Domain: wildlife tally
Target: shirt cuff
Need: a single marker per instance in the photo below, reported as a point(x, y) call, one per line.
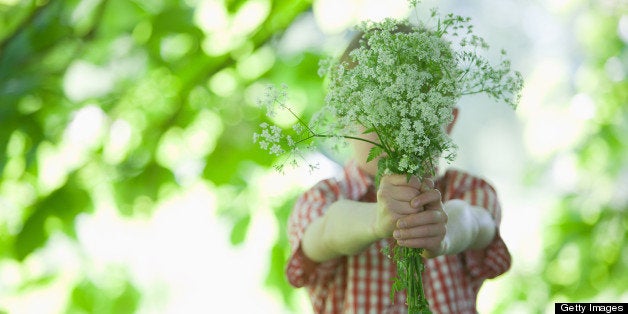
point(489, 262)
point(302, 271)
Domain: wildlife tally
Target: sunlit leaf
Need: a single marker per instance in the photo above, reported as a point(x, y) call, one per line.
point(62, 206)
point(88, 297)
point(151, 89)
point(127, 301)
point(84, 297)
point(147, 182)
point(239, 230)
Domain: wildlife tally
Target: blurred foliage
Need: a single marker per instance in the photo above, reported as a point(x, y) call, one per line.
point(111, 101)
point(591, 227)
point(87, 297)
point(585, 251)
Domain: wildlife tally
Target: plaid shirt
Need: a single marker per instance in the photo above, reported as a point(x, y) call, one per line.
point(361, 283)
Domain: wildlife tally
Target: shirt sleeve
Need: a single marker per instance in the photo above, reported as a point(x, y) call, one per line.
point(300, 270)
point(494, 259)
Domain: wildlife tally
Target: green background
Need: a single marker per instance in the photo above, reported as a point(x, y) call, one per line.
point(127, 104)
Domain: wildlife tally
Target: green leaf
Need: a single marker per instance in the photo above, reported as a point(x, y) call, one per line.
point(84, 297)
point(32, 235)
point(375, 152)
point(276, 277)
point(239, 230)
point(127, 301)
point(90, 297)
point(369, 130)
point(143, 182)
point(57, 211)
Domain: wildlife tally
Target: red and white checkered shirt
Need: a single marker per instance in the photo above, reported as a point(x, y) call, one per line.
point(361, 283)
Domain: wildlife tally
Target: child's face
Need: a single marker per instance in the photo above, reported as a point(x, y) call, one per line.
point(361, 149)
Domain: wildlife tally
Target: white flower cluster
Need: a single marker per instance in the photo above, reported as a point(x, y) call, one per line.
point(277, 141)
point(273, 97)
point(401, 83)
point(270, 139)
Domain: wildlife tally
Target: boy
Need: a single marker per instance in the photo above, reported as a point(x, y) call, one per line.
point(339, 227)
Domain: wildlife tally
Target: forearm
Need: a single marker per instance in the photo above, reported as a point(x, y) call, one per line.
point(468, 227)
point(346, 228)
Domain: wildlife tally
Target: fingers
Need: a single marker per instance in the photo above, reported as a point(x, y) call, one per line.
point(433, 245)
point(417, 206)
point(426, 229)
point(422, 218)
point(406, 197)
point(395, 194)
point(399, 180)
point(426, 185)
point(398, 186)
point(429, 199)
point(399, 193)
point(437, 249)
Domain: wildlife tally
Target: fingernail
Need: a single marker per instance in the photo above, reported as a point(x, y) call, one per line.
point(401, 224)
point(396, 234)
point(430, 183)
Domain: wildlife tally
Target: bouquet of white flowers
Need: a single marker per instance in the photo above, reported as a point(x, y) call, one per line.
point(401, 83)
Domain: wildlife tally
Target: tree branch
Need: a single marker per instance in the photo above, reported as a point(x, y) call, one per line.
point(38, 11)
point(280, 17)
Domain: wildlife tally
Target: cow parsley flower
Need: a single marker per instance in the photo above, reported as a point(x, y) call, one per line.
point(401, 83)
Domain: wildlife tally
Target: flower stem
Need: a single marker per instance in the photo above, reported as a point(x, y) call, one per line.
point(409, 268)
point(314, 135)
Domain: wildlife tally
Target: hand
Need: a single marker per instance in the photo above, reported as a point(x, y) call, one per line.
point(393, 202)
point(425, 225)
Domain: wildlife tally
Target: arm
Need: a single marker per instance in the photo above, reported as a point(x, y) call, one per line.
point(469, 227)
point(412, 212)
point(340, 231)
point(348, 227)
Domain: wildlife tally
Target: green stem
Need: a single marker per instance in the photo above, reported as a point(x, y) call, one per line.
point(409, 275)
point(343, 136)
point(382, 139)
point(410, 263)
point(298, 118)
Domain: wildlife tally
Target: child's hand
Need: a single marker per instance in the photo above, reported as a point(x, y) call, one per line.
point(393, 202)
point(424, 226)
